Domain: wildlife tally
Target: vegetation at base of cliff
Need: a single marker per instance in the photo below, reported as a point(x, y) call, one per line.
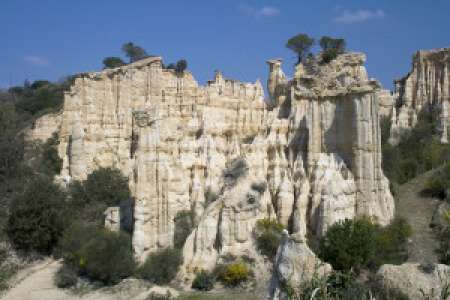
point(302, 43)
point(36, 220)
point(97, 253)
point(268, 236)
point(233, 274)
point(103, 188)
point(203, 281)
point(362, 244)
point(418, 151)
point(161, 267)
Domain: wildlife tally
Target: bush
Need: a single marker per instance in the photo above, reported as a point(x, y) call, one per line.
point(103, 188)
point(234, 274)
point(438, 184)
point(51, 161)
point(98, 253)
point(356, 244)
point(161, 267)
point(36, 220)
point(268, 236)
point(203, 281)
point(65, 277)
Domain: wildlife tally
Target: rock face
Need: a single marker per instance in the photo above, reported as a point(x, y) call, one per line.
point(416, 281)
point(427, 85)
point(295, 263)
point(315, 149)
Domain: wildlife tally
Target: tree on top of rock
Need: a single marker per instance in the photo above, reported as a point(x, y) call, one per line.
point(112, 62)
point(134, 52)
point(301, 44)
point(181, 66)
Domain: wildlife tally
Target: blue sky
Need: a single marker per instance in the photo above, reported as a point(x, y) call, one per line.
point(48, 39)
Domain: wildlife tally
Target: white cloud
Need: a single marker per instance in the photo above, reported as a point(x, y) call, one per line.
point(36, 60)
point(361, 15)
point(256, 12)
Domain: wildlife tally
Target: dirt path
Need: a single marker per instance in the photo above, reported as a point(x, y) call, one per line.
point(36, 283)
point(418, 210)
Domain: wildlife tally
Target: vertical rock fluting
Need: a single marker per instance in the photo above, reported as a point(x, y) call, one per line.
point(425, 87)
point(311, 159)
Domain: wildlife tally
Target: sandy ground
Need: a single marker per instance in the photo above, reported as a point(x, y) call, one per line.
point(36, 283)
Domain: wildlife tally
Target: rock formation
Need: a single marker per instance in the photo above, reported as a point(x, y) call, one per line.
point(427, 86)
point(416, 281)
point(315, 149)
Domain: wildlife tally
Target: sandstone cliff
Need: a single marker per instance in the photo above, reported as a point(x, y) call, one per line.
point(315, 149)
point(427, 85)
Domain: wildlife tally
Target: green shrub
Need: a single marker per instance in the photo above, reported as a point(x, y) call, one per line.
point(349, 244)
point(107, 257)
point(234, 274)
point(268, 236)
point(444, 246)
point(103, 188)
point(36, 220)
point(97, 253)
point(356, 244)
point(50, 158)
point(183, 227)
point(65, 277)
point(161, 267)
point(203, 281)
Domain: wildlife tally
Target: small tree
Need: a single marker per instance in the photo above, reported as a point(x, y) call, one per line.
point(36, 220)
point(103, 188)
point(301, 44)
point(134, 52)
point(181, 66)
point(161, 267)
point(112, 62)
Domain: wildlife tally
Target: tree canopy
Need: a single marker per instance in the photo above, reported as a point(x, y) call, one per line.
point(301, 44)
point(112, 62)
point(133, 52)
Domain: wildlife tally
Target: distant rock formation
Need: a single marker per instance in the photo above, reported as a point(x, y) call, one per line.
point(426, 86)
point(309, 158)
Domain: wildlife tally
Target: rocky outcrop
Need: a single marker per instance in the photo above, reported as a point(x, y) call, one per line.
point(44, 127)
point(417, 281)
point(295, 263)
point(315, 149)
point(426, 86)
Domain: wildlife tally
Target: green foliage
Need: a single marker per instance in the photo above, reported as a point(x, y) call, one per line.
point(234, 274)
point(331, 48)
point(438, 184)
point(357, 244)
point(133, 52)
point(268, 236)
point(444, 246)
point(112, 62)
point(41, 95)
point(181, 66)
point(36, 219)
point(418, 151)
point(51, 161)
point(203, 281)
point(161, 267)
point(349, 244)
point(300, 44)
point(97, 253)
point(65, 277)
point(103, 188)
point(183, 227)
